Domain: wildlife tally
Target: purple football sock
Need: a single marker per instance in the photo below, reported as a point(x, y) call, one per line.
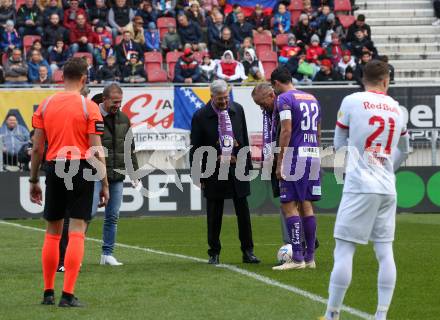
point(294, 229)
point(309, 225)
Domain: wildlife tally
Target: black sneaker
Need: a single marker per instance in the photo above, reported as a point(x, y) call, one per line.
point(70, 302)
point(61, 268)
point(48, 298)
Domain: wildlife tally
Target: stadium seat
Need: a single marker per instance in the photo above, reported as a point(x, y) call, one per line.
point(255, 32)
point(118, 40)
point(28, 42)
point(342, 5)
point(4, 58)
point(346, 20)
point(294, 17)
point(256, 142)
point(171, 59)
point(19, 3)
point(157, 75)
point(83, 54)
point(163, 23)
point(153, 60)
point(296, 5)
point(57, 76)
point(269, 59)
point(281, 40)
point(262, 42)
point(198, 56)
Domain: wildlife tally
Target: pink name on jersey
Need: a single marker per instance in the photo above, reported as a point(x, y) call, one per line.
point(380, 106)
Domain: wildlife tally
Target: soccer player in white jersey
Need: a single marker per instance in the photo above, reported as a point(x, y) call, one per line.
point(371, 126)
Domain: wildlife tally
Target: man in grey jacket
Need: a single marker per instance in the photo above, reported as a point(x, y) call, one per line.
point(16, 69)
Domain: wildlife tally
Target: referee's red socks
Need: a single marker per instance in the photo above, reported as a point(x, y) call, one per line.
point(72, 261)
point(50, 256)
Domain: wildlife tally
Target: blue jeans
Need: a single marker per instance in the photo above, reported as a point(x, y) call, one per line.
point(111, 214)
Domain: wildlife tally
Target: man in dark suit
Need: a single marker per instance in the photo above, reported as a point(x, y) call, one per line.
point(221, 126)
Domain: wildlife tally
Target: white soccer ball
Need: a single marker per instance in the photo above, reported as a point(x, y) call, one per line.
point(285, 253)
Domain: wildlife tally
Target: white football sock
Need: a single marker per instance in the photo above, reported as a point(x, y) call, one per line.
point(340, 278)
point(386, 279)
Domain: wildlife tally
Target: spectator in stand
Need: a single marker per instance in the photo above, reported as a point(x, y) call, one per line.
point(182, 6)
point(259, 20)
point(346, 61)
point(349, 74)
point(119, 16)
point(134, 71)
point(189, 32)
point(7, 12)
point(53, 7)
point(152, 38)
point(166, 8)
point(16, 70)
point(98, 14)
point(82, 37)
point(187, 68)
point(254, 75)
point(231, 18)
point(359, 71)
point(29, 19)
point(335, 50)
point(215, 29)
point(362, 44)
point(208, 5)
point(43, 76)
point(246, 44)
point(303, 31)
point(127, 47)
point(53, 32)
point(281, 23)
point(171, 40)
point(14, 137)
point(34, 64)
point(101, 33)
point(9, 39)
point(250, 61)
point(102, 53)
point(24, 155)
point(229, 69)
point(327, 73)
point(148, 13)
point(91, 71)
point(315, 52)
point(110, 72)
point(385, 59)
point(436, 4)
point(226, 43)
point(318, 4)
point(328, 28)
point(207, 69)
point(321, 18)
point(241, 29)
point(136, 27)
point(71, 14)
point(37, 45)
point(195, 14)
point(58, 56)
point(358, 24)
point(290, 50)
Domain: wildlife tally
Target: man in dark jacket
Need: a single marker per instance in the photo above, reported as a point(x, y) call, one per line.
point(215, 29)
point(358, 24)
point(362, 44)
point(53, 32)
point(242, 29)
point(187, 69)
point(225, 43)
point(227, 140)
point(126, 48)
point(189, 32)
point(327, 73)
point(29, 19)
point(116, 126)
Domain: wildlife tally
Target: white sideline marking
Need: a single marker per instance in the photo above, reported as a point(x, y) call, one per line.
point(250, 274)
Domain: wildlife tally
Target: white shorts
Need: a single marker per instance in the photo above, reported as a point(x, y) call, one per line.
point(366, 216)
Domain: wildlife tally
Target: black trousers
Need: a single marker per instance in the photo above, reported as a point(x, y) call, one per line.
point(437, 8)
point(214, 219)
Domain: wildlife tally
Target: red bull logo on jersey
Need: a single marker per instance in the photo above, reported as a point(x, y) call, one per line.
point(380, 106)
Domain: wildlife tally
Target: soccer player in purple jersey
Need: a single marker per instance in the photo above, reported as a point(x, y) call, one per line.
point(298, 165)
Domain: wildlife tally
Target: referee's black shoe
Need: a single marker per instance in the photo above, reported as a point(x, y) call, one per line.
point(249, 257)
point(48, 298)
point(69, 301)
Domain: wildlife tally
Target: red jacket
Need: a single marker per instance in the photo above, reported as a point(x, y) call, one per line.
point(71, 23)
point(288, 51)
point(312, 52)
point(228, 68)
point(100, 37)
point(76, 33)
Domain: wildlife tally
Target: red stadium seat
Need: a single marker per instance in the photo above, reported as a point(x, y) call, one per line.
point(19, 3)
point(157, 75)
point(57, 76)
point(163, 23)
point(269, 59)
point(83, 54)
point(294, 17)
point(171, 59)
point(28, 41)
point(4, 58)
point(296, 5)
point(118, 40)
point(262, 42)
point(342, 5)
point(256, 146)
point(153, 60)
point(345, 20)
point(254, 32)
point(281, 40)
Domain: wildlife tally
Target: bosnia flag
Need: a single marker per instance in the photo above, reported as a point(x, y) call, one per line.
point(186, 102)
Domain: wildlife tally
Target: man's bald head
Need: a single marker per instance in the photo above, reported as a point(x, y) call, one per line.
point(264, 96)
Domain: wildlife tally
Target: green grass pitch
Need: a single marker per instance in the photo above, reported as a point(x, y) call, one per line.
point(154, 286)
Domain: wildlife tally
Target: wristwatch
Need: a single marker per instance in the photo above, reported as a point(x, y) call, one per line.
point(36, 180)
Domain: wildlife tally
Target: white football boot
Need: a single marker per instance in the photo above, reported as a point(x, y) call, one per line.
point(110, 260)
point(289, 265)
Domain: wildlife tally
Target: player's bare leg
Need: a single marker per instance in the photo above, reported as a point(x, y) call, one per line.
point(308, 221)
point(294, 228)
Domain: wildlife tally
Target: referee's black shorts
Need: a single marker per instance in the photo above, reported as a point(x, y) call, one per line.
point(63, 203)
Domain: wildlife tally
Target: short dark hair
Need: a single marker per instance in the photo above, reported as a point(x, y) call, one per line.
point(361, 17)
point(281, 74)
point(375, 71)
point(111, 87)
point(75, 68)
